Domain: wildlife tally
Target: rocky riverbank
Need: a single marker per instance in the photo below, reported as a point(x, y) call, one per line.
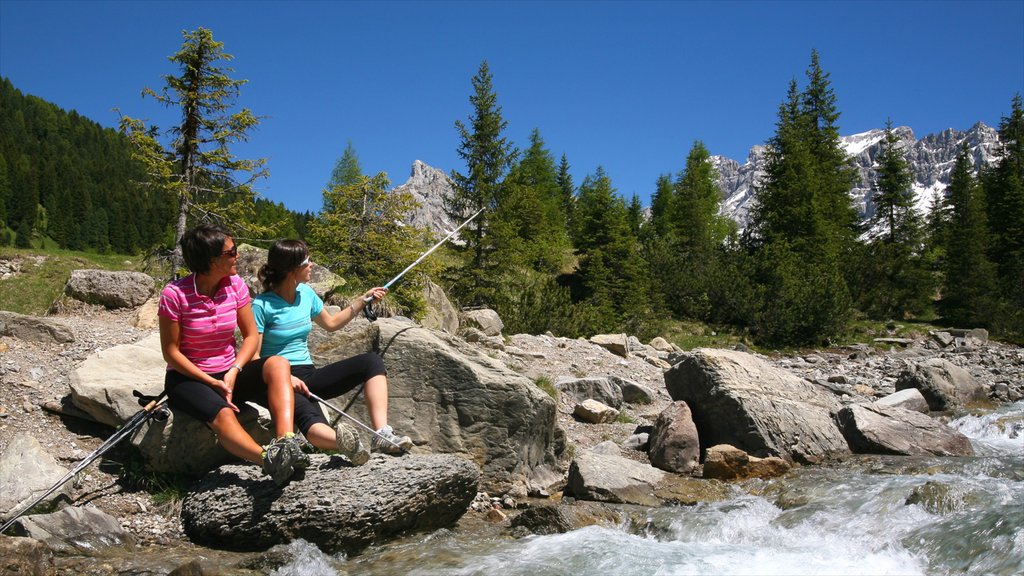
point(35, 380)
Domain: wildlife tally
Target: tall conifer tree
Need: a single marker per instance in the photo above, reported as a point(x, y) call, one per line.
point(968, 295)
point(200, 170)
point(488, 156)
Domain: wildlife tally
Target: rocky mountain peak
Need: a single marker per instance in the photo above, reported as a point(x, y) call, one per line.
point(429, 186)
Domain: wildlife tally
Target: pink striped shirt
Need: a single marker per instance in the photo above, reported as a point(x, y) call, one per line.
point(207, 324)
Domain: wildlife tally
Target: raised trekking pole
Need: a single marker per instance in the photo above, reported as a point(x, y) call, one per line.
point(153, 406)
point(356, 421)
point(368, 309)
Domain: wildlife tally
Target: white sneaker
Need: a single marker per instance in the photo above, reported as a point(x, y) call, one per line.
point(386, 441)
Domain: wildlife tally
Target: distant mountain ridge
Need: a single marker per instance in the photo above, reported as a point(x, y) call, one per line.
point(931, 160)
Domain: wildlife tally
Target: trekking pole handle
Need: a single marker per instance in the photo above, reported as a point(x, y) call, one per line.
point(368, 311)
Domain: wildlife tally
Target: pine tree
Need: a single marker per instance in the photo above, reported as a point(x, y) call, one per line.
point(696, 199)
point(488, 156)
point(1004, 193)
point(5, 191)
point(660, 202)
point(612, 270)
point(363, 237)
point(803, 224)
point(893, 196)
point(527, 226)
point(347, 171)
point(968, 296)
point(892, 280)
point(568, 189)
point(209, 182)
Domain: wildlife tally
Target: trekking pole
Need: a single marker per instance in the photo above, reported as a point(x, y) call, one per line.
point(133, 423)
point(357, 422)
point(368, 309)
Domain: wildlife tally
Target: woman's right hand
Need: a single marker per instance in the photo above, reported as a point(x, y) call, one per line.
point(226, 391)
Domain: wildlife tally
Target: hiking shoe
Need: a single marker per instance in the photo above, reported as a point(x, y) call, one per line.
point(300, 449)
point(397, 444)
point(349, 445)
point(283, 457)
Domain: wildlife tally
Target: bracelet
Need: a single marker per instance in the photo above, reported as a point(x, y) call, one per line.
point(236, 366)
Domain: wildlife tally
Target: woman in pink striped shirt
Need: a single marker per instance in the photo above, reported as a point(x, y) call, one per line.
point(206, 375)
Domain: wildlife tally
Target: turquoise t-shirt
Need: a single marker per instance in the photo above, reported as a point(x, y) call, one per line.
point(285, 326)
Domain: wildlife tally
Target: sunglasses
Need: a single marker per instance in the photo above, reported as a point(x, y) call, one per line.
point(231, 253)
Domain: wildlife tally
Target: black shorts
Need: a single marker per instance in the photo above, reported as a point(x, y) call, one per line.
point(331, 381)
point(200, 401)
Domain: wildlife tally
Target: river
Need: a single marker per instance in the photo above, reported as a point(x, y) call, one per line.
point(852, 518)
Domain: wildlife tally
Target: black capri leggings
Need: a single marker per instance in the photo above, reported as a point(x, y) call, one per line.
point(331, 381)
point(203, 403)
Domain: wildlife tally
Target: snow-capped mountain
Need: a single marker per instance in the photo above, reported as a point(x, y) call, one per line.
point(931, 161)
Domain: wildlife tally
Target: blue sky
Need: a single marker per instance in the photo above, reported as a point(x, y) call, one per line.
point(624, 85)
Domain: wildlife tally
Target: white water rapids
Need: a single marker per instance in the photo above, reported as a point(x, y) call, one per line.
point(852, 518)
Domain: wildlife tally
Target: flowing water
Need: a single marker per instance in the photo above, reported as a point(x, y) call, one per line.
point(870, 515)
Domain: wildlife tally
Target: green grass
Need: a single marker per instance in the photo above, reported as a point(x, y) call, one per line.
point(45, 272)
point(545, 384)
point(689, 335)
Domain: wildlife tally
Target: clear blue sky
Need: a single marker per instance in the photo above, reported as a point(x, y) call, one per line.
point(624, 85)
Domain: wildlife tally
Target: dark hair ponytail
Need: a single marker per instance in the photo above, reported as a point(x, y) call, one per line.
point(283, 257)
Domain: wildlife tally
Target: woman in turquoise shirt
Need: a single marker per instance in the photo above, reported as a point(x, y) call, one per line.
point(284, 315)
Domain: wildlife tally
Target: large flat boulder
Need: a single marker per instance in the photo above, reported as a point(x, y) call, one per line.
point(741, 400)
point(451, 398)
point(880, 429)
point(103, 384)
point(338, 507)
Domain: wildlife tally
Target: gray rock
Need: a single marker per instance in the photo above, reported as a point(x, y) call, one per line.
point(449, 397)
point(601, 389)
point(640, 441)
point(661, 345)
point(908, 399)
point(485, 320)
point(875, 429)
point(75, 529)
point(743, 401)
point(34, 328)
point(604, 478)
point(635, 393)
point(102, 385)
point(674, 445)
point(26, 472)
point(337, 507)
point(112, 289)
point(614, 343)
point(180, 444)
point(943, 384)
point(441, 314)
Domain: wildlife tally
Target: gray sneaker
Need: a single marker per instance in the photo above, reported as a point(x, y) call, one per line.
point(349, 444)
point(283, 457)
point(386, 441)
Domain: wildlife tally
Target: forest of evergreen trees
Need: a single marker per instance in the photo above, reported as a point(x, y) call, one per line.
point(66, 181)
point(552, 255)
